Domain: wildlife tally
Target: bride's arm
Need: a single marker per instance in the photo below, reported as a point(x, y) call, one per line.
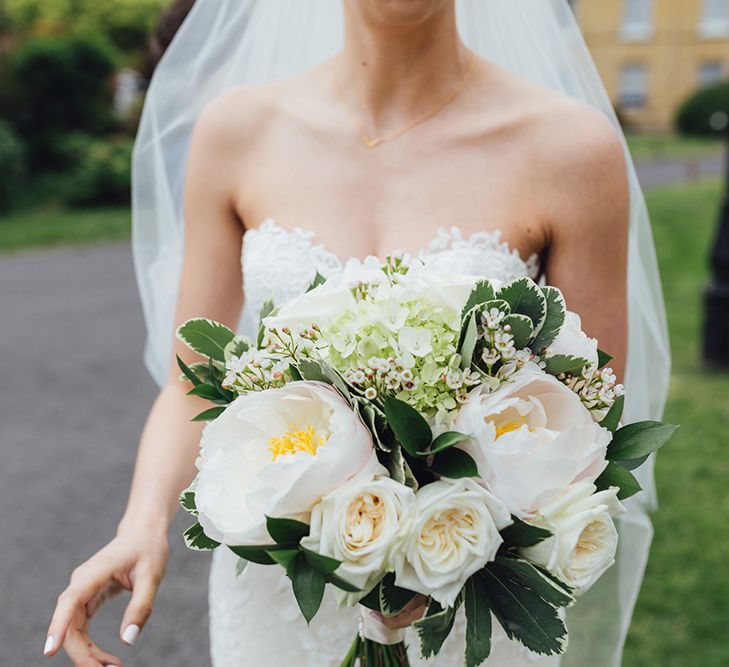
point(211, 286)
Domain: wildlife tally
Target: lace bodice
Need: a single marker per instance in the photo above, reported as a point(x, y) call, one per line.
point(254, 619)
point(279, 263)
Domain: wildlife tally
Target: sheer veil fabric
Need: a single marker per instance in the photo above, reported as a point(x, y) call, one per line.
point(224, 43)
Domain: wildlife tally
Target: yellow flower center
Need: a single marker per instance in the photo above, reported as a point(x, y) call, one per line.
point(508, 428)
point(295, 441)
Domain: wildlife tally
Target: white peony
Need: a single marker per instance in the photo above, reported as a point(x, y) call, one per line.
point(584, 538)
point(573, 341)
point(276, 453)
point(454, 534)
point(531, 439)
point(362, 523)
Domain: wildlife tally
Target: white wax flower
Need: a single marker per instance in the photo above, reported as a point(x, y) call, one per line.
point(454, 534)
point(276, 453)
point(573, 341)
point(531, 439)
point(584, 538)
point(361, 523)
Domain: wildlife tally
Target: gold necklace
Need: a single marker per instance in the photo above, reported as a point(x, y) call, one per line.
point(373, 142)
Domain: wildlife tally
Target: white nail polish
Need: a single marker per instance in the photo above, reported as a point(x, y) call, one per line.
point(130, 634)
point(50, 643)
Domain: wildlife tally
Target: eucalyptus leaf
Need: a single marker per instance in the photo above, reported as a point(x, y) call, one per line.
point(206, 337)
point(478, 622)
point(639, 439)
point(197, 540)
point(553, 321)
point(408, 425)
point(617, 475)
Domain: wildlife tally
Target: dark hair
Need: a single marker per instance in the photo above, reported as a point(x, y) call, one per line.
point(170, 21)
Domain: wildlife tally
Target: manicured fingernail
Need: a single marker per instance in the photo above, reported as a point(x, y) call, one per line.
point(50, 643)
point(130, 634)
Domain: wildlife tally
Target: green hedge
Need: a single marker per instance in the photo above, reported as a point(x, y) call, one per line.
point(706, 112)
point(12, 165)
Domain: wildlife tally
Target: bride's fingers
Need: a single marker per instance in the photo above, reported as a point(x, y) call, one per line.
point(140, 606)
point(84, 653)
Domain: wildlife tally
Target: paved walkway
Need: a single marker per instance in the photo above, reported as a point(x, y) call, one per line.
point(73, 397)
point(668, 171)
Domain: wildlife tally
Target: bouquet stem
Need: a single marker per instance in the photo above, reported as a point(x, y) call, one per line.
point(368, 653)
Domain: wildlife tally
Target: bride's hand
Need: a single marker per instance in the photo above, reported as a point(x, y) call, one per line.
point(410, 613)
point(132, 561)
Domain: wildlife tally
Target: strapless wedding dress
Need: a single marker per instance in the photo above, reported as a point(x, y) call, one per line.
point(254, 619)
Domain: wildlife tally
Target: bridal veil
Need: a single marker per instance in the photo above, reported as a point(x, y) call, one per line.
point(224, 43)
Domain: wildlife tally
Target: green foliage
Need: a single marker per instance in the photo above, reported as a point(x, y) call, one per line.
point(433, 629)
point(520, 534)
point(698, 115)
point(197, 540)
point(478, 623)
point(617, 475)
point(454, 464)
point(408, 425)
point(12, 165)
point(206, 337)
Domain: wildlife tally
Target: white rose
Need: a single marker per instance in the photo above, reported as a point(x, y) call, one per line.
point(584, 538)
point(573, 341)
point(276, 453)
point(531, 439)
point(362, 523)
point(454, 534)
point(316, 306)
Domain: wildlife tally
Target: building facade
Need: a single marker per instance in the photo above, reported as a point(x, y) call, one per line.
point(652, 54)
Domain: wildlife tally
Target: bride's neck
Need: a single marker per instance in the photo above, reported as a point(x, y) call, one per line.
point(390, 73)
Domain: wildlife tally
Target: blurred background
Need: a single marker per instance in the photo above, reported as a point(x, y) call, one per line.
point(74, 393)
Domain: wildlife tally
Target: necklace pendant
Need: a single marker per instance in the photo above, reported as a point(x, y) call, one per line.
point(370, 143)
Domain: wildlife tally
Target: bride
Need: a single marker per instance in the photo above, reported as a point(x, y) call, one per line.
point(436, 127)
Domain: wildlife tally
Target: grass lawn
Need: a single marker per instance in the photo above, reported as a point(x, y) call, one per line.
point(25, 229)
point(650, 147)
point(683, 611)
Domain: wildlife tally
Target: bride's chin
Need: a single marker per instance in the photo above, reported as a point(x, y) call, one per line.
point(399, 13)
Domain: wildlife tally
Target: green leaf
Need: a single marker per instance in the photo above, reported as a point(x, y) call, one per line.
point(453, 464)
point(564, 363)
point(632, 464)
point(267, 309)
point(319, 279)
point(521, 534)
point(286, 531)
point(434, 628)
point(478, 622)
point(197, 540)
point(523, 614)
point(316, 371)
point(236, 347)
point(374, 419)
point(603, 358)
point(372, 599)
point(537, 579)
point(287, 558)
point(617, 475)
point(337, 581)
point(639, 439)
point(187, 501)
point(446, 441)
point(206, 337)
point(308, 585)
point(255, 554)
point(525, 297)
point(207, 391)
point(393, 599)
point(521, 328)
point(189, 373)
point(209, 414)
point(323, 564)
point(482, 292)
point(469, 338)
point(408, 425)
point(553, 320)
point(611, 421)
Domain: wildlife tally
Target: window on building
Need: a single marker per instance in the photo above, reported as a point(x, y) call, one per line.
point(637, 20)
point(711, 72)
point(633, 92)
point(714, 21)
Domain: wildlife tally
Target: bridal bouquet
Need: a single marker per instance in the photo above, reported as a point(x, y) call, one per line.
point(395, 432)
